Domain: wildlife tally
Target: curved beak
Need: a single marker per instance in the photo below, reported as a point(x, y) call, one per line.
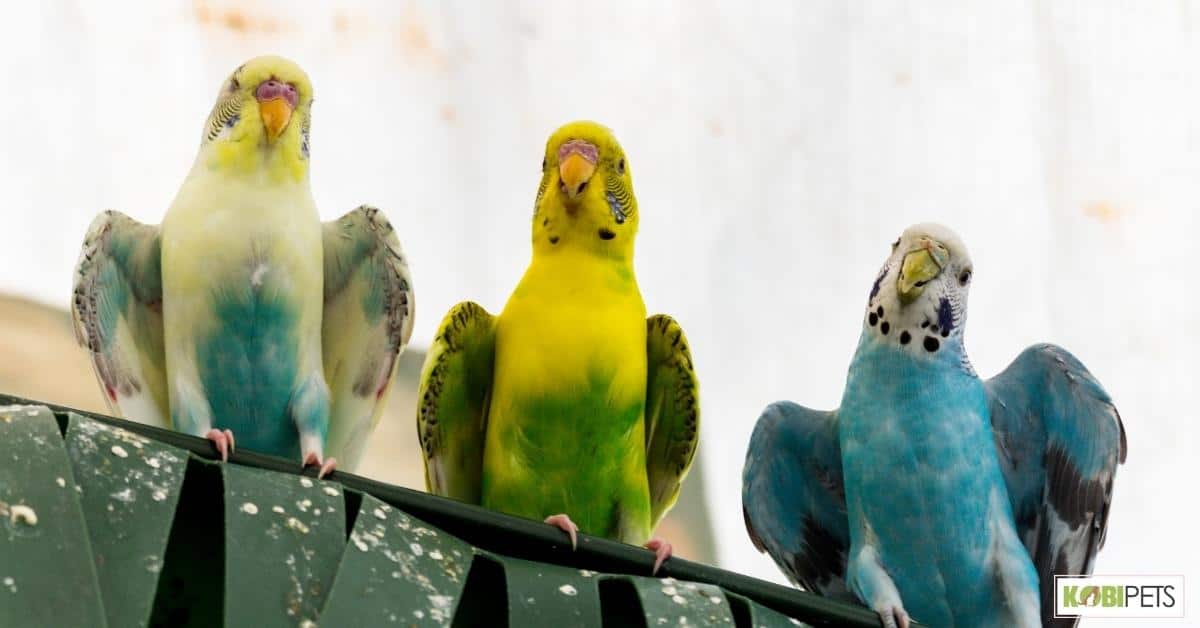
point(575, 171)
point(276, 113)
point(919, 267)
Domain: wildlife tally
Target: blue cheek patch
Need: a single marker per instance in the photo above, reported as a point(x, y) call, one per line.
point(945, 316)
point(232, 121)
point(617, 212)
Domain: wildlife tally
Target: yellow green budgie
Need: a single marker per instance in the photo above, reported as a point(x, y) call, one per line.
point(242, 313)
point(570, 405)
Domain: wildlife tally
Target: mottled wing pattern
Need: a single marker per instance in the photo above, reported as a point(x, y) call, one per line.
point(672, 412)
point(793, 496)
point(367, 320)
point(1060, 439)
point(452, 402)
point(117, 310)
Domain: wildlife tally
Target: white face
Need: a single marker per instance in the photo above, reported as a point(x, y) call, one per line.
point(919, 300)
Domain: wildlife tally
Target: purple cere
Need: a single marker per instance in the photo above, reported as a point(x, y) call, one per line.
point(271, 89)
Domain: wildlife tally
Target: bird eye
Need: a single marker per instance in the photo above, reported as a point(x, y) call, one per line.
point(234, 85)
point(964, 277)
point(543, 163)
point(896, 244)
point(621, 166)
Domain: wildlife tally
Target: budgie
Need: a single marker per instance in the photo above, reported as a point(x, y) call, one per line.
point(931, 494)
point(570, 405)
point(242, 315)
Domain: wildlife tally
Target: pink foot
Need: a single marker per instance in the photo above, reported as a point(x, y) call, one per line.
point(894, 617)
point(327, 466)
point(662, 551)
point(564, 523)
point(223, 441)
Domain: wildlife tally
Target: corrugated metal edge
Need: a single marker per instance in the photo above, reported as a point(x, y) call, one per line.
point(522, 538)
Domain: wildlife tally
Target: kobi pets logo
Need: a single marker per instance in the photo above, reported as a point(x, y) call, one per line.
point(1119, 596)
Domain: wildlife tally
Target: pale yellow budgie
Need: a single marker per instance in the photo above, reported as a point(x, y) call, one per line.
point(242, 313)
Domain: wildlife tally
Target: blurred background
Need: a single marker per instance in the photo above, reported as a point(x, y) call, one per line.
point(777, 150)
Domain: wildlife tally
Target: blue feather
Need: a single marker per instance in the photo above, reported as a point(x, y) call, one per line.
point(249, 369)
point(924, 488)
point(1060, 440)
point(792, 495)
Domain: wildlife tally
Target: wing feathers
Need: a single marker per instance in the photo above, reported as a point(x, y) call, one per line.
point(117, 314)
point(367, 321)
point(453, 402)
point(672, 413)
point(793, 499)
point(1060, 439)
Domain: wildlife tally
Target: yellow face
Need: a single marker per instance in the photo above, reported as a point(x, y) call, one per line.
point(585, 198)
point(265, 104)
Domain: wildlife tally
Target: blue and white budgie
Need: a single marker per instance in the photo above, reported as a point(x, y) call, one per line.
point(242, 313)
point(931, 493)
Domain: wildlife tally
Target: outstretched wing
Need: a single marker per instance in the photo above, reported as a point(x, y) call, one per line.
point(367, 320)
point(793, 496)
point(672, 413)
point(117, 309)
point(452, 402)
point(1059, 439)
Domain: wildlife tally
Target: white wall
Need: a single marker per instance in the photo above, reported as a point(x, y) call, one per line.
point(777, 150)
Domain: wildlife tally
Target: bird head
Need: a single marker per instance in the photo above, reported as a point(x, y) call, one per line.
point(919, 299)
point(585, 200)
point(261, 119)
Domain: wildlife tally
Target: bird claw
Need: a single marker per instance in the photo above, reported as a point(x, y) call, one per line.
point(564, 523)
point(893, 617)
point(223, 441)
point(662, 551)
point(327, 466)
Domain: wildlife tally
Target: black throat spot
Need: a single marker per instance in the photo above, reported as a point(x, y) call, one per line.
point(945, 315)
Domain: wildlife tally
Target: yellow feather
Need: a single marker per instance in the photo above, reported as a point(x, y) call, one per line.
point(246, 150)
point(571, 312)
point(578, 304)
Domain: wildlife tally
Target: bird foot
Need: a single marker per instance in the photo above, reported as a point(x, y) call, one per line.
point(564, 523)
point(327, 466)
point(223, 441)
point(893, 616)
point(662, 551)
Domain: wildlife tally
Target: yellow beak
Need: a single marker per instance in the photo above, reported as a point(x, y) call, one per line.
point(918, 268)
point(575, 171)
point(276, 113)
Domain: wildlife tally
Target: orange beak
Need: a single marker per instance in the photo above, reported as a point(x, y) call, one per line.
point(574, 171)
point(276, 113)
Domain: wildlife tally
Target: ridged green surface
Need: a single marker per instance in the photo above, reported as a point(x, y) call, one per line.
point(284, 537)
point(191, 542)
point(46, 572)
point(397, 570)
point(549, 595)
point(130, 487)
point(758, 616)
point(669, 602)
